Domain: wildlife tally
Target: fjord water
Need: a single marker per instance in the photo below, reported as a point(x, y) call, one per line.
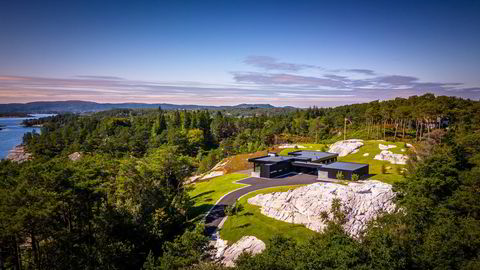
point(12, 132)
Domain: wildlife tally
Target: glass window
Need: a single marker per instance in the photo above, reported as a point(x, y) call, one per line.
point(256, 167)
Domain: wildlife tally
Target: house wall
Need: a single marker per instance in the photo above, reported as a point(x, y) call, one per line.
point(274, 170)
point(326, 161)
point(332, 173)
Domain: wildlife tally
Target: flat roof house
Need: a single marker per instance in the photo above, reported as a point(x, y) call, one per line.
point(322, 164)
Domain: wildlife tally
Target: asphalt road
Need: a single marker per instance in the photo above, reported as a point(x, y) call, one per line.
point(217, 213)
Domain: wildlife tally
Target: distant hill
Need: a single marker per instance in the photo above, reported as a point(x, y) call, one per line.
point(77, 106)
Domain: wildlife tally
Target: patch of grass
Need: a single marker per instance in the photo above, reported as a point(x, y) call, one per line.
point(371, 147)
point(240, 162)
point(308, 146)
point(251, 222)
point(206, 193)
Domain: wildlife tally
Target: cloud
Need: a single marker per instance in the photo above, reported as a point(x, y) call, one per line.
point(361, 71)
point(92, 88)
point(396, 80)
point(270, 63)
point(285, 79)
point(279, 84)
point(373, 86)
point(110, 78)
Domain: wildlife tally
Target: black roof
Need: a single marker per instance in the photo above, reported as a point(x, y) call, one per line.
point(270, 159)
point(313, 155)
point(347, 166)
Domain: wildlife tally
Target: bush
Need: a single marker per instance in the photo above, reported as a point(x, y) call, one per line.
point(384, 169)
point(340, 176)
point(355, 177)
point(232, 210)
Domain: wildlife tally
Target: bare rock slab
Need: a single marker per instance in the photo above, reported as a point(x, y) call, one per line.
point(361, 202)
point(391, 157)
point(19, 154)
point(75, 156)
point(386, 147)
point(343, 148)
point(249, 244)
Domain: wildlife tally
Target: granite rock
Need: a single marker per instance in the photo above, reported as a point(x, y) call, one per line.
point(361, 201)
point(343, 148)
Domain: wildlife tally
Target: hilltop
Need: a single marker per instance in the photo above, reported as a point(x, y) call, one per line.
point(78, 106)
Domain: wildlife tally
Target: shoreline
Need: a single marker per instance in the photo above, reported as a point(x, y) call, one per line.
point(17, 116)
point(18, 154)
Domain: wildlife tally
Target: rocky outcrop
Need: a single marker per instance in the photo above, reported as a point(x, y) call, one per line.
point(361, 202)
point(291, 146)
point(386, 147)
point(249, 244)
point(343, 148)
point(217, 170)
point(391, 157)
point(19, 154)
point(75, 156)
point(219, 246)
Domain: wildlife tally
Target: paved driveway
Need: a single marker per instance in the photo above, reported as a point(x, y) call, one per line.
point(217, 213)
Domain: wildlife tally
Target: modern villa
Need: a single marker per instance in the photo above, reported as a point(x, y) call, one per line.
point(322, 164)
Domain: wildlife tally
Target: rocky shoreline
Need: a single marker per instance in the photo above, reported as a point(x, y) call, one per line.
point(19, 154)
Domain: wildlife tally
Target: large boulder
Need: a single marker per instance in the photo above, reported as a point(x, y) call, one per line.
point(391, 157)
point(291, 146)
point(19, 154)
point(386, 147)
point(75, 156)
point(343, 148)
point(361, 202)
point(249, 244)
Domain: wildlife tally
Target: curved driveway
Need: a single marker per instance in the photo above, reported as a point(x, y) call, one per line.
point(217, 213)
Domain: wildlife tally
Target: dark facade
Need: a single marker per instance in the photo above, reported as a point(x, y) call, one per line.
point(347, 171)
point(321, 164)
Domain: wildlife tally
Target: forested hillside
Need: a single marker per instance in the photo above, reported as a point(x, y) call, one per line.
point(125, 205)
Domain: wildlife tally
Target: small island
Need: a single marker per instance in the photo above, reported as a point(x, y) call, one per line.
point(14, 114)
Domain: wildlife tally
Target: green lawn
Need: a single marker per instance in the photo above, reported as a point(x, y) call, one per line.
point(251, 222)
point(370, 147)
point(308, 146)
point(205, 194)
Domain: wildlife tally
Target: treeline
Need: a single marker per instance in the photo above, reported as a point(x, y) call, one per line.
point(15, 115)
point(93, 213)
point(219, 133)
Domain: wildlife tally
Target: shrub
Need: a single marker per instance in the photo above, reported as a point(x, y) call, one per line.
point(384, 169)
point(340, 176)
point(232, 210)
point(402, 171)
point(355, 177)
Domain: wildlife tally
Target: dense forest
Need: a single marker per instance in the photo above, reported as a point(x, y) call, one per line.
point(125, 205)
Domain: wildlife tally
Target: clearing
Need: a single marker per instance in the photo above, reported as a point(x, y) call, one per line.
point(250, 221)
point(206, 193)
point(371, 147)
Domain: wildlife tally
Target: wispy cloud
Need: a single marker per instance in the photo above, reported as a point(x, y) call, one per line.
point(270, 63)
point(361, 71)
point(286, 79)
point(279, 83)
point(109, 78)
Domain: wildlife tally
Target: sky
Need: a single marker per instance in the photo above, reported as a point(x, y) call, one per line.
point(296, 53)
